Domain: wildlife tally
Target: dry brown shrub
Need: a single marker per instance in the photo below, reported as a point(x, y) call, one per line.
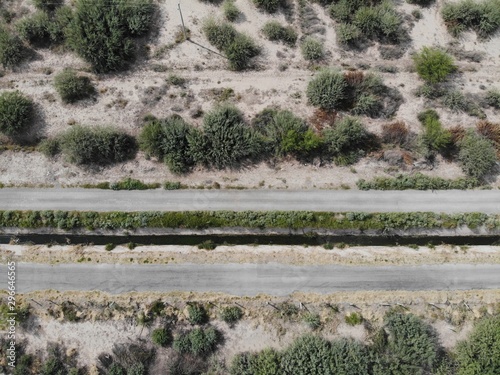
point(457, 133)
point(395, 133)
point(490, 131)
point(354, 78)
point(322, 118)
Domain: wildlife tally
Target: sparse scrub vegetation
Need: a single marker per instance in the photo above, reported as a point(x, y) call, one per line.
point(230, 10)
point(483, 17)
point(73, 87)
point(417, 181)
point(16, 113)
point(275, 31)
point(433, 65)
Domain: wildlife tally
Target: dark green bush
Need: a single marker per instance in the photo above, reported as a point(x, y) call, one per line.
point(35, 29)
point(73, 87)
point(275, 31)
point(49, 147)
point(265, 362)
point(327, 89)
point(348, 34)
point(230, 10)
point(161, 337)
point(483, 17)
point(102, 32)
point(456, 101)
point(477, 155)
point(417, 181)
point(231, 314)
point(48, 5)
point(197, 314)
point(226, 140)
point(435, 137)
point(347, 141)
point(16, 113)
point(270, 6)
point(132, 184)
point(433, 65)
point(493, 98)
point(312, 320)
point(219, 34)
point(168, 141)
point(307, 355)
point(12, 51)
point(312, 49)
point(173, 185)
point(479, 354)
point(97, 145)
point(199, 342)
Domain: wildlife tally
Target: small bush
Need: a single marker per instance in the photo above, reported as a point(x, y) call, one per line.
point(230, 10)
point(16, 113)
point(231, 314)
point(396, 133)
point(132, 184)
point(110, 246)
point(72, 87)
point(12, 51)
point(161, 337)
point(354, 319)
point(490, 131)
point(99, 145)
point(312, 320)
point(434, 138)
point(477, 155)
point(312, 49)
point(207, 245)
point(35, 29)
point(433, 65)
point(48, 5)
point(49, 147)
point(327, 89)
point(173, 185)
point(493, 98)
point(347, 141)
point(275, 31)
point(455, 101)
point(197, 314)
point(270, 6)
point(348, 34)
point(219, 34)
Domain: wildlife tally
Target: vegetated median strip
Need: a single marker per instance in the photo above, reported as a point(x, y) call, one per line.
point(292, 220)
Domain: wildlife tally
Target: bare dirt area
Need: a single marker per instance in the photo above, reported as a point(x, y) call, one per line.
point(101, 320)
point(124, 99)
point(293, 255)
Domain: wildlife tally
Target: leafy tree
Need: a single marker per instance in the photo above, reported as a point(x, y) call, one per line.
point(197, 314)
point(225, 141)
point(72, 87)
point(102, 31)
point(327, 89)
point(479, 354)
point(433, 65)
point(161, 336)
point(99, 145)
point(168, 141)
point(477, 155)
point(16, 113)
point(347, 141)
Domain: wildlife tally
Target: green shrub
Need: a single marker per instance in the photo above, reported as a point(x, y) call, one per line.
point(225, 141)
point(433, 65)
point(275, 31)
point(16, 113)
point(161, 337)
point(435, 137)
point(477, 155)
point(312, 49)
point(493, 98)
point(12, 51)
point(59, 26)
point(102, 32)
point(219, 34)
point(348, 34)
point(347, 141)
point(270, 6)
point(110, 247)
point(456, 101)
point(132, 184)
point(417, 181)
point(231, 11)
point(312, 320)
point(49, 147)
point(197, 314)
point(483, 17)
point(241, 51)
point(479, 354)
point(168, 141)
point(327, 89)
point(231, 314)
point(35, 29)
point(412, 344)
point(307, 355)
point(136, 369)
point(97, 145)
point(48, 5)
point(354, 319)
point(72, 87)
point(199, 342)
point(207, 245)
point(265, 362)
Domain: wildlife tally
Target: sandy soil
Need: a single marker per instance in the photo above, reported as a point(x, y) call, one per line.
point(125, 98)
point(297, 255)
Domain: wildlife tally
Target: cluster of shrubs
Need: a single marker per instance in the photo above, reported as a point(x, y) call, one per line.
point(404, 345)
point(91, 145)
point(365, 19)
point(239, 48)
point(353, 91)
point(483, 17)
point(417, 181)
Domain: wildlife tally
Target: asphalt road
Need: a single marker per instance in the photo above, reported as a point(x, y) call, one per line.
point(450, 201)
point(251, 279)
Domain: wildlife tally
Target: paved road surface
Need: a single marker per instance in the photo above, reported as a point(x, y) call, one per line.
point(451, 201)
point(251, 279)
